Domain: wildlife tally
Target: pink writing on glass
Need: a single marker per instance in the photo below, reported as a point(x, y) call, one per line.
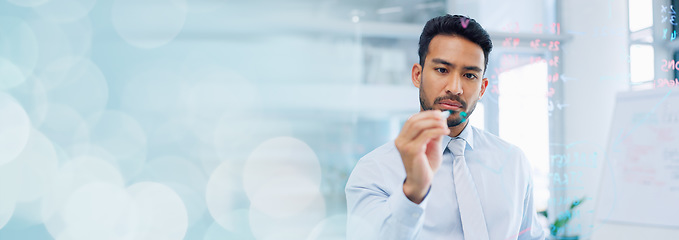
point(664, 82)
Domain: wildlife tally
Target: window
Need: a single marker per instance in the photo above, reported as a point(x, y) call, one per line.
point(653, 44)
point(641, 63)
point(478, 118)
point(524, 120)
point(640, 14)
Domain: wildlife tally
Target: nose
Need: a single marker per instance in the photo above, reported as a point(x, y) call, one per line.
point(454, 85)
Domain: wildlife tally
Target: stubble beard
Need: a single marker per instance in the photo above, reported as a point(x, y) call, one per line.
point(455, 119)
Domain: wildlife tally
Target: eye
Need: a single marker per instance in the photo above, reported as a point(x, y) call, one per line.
point(470, 75)
point(441, 70)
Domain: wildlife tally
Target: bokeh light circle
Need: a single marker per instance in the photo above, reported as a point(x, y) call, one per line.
point(161, 212)
point(278, 158)
point(282, 179)
point(331, 228)
point(37, 164)
point(360, 228)
point(238, 134)
point(100, 211)
point(32, 173)
point(282, 197)
point(224, 195)
point(148, 24)
point(298, 226)
point(83, 169)
point(8, 191)
point(15, 128)
point(185, 178)
point(242, 231)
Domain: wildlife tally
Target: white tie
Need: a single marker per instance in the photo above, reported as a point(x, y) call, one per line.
point(471, 213)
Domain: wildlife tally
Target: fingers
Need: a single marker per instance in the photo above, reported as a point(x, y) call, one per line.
point(421, 121)
point(433, 152)
point(428, 135)
point(418, 140)
point(419, 130)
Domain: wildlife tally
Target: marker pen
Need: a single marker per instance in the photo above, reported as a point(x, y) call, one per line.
point(446, 113)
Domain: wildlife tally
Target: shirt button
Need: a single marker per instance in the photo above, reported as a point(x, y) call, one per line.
point(416, 215)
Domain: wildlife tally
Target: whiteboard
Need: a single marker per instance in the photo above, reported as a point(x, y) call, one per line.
point(640, 180)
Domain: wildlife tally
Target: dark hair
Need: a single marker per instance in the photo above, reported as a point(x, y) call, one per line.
point(453, 25)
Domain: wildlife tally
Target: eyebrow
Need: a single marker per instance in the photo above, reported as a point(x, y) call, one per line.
point(444, 62)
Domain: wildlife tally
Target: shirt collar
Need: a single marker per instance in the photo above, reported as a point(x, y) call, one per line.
point(467, 134)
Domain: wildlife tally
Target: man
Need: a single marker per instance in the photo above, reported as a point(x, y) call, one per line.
point(441, 178)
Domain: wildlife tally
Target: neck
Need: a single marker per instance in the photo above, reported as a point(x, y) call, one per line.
point(456, 130)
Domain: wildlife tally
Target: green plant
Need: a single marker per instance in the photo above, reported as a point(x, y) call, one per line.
point(557, 229)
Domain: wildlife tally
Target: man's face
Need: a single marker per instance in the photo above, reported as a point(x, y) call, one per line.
point(451, 78)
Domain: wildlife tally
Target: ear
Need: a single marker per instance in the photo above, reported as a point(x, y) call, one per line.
point(416, 75)
point(484, 84)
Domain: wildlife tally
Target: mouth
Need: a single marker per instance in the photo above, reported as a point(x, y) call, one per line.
point(450, 105)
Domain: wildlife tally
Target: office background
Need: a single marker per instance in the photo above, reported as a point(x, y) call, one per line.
point(208, 119)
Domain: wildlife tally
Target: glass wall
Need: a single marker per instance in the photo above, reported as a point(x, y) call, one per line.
point(175, 119)
point(206, 119)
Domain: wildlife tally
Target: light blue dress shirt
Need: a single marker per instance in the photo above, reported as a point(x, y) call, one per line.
point(378, 208)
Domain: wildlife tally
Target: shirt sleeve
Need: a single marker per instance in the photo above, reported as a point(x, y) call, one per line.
point(377, 212)
point(530, 224)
